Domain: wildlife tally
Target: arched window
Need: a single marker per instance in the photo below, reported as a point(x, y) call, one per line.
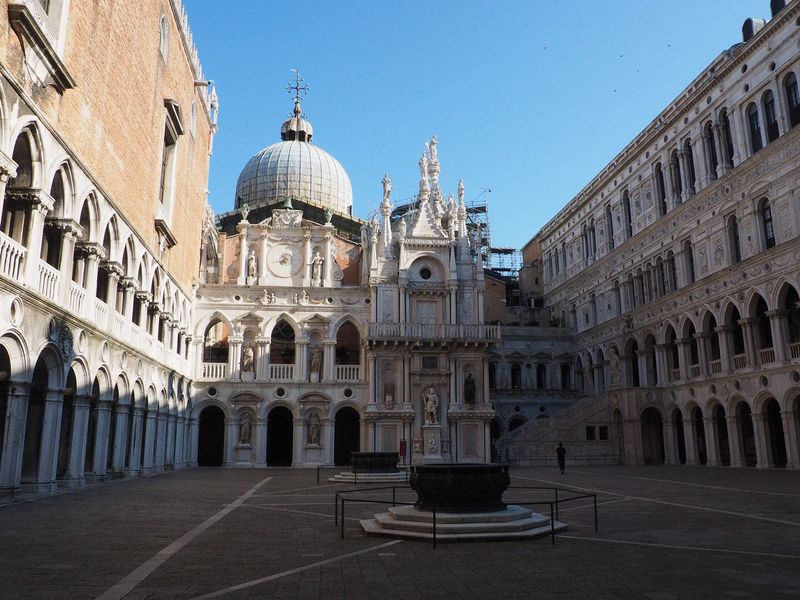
point(215, 342)
point(516, 377)
point(610, 228)
point(711, 150)
point(792, 98)
point(768, 102)
point(281, 349)
point(626, 209)
point(765, 216)
point(563, 256)
point(661, 190)
point(556, 262)
point(732, 228)
point(691, 177)
point(755, 128)
point(727, 137)
point(541, 376)
point(348, 345)
point(675, 169)
point(566, 376)
point(689, 262)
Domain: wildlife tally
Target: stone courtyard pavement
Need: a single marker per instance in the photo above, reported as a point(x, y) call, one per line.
point(665, 532)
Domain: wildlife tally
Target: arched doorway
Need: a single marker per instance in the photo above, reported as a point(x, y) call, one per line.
point(211, 437)
point(346, 437)
point(279, 437)
point(34, 424)
point(652, 437)
point(747, 434)
point(680, 438)
point(775, 438)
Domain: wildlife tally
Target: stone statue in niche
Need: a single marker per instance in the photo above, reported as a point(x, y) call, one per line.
point(248, 359)
point(245, 428)
point(316, 363)
point(316, 269)
point(252, 267)
point(430, 400)
point(313, 430)
point(469, 389)
point(613, 364)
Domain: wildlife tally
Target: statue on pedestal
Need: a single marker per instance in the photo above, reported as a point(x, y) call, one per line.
point(248, 358)
point(252, 269)
point(245, 428)
point(469, 389)
point(387, 187)
point(316, 268)
point(313, 430)
point(430, 399)
point(316, 362)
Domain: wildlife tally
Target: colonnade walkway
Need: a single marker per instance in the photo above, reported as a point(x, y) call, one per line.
point(665, 532)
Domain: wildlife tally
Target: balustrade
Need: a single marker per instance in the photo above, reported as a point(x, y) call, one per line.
point(100, 313)
point(348, 372)
point(794, 348)
point(215, 370)
point(77, 298)
point(739, 361)
point(694, 370)
point(716, 366)
point(433, 331)
point(676, 374)
point(281, 372)
point(11, 256)
point(48, 281)
point(120, 323)
point(767, 355)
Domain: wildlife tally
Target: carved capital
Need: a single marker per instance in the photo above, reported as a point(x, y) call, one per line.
point(91, 250)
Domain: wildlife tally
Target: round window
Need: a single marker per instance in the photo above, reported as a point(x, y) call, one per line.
point(280, 392)
point(212, 392)
point(348, 393)
point(425, 273)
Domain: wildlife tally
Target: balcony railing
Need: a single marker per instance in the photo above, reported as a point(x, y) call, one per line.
point(48, 281)
point(694, 370)
point(77, 298)
point(794, 348)
point(676, 374)
point(767, 355)
point(739, 361)
point(281, 372)
point(100, 313)
point(11, 256)
point(348, 372)
point(433, 331)
point(120, 324)
point(215, 370)
point(716, 366)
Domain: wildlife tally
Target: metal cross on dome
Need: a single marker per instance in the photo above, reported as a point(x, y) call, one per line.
point(297, 86)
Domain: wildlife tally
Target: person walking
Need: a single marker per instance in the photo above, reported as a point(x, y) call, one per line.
point(561, 453)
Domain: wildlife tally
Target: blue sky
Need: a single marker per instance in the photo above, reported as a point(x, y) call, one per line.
point(528, 99)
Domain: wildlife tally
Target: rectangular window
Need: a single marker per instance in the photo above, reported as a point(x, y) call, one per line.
point(590, 432)
point(603, 432)
point(769, 232)
point(430, 363)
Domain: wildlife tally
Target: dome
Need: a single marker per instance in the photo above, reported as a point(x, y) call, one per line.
point(295, 168)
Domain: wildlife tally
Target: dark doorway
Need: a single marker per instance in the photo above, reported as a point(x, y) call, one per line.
point(699, 435)
point(777, 442)
point(346, 438)
point(211, 437)
point(279, 437)
point(65, 439)
point(652, 437)
point(34, 423)
point(722, 435)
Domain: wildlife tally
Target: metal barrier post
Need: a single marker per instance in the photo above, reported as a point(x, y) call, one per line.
point(342, 523)
point(317, 474)
point(594, 498)
point(336, 509)
point(434, 528)
point(393, 498)
point(556, 489)
point(552, 527)
point(355, 476)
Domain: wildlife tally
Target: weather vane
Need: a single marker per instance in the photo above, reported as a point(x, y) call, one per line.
point(297, 86)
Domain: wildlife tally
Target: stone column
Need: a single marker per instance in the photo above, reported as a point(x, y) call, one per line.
point(234, 356)
point(68, 237)
point(93, 253)
point(161, 438)
point(326, 265)
point(749, 326)
point(669, 188)
point(683, 358)
point(101, 448)
point(712, 442)
point(149, 441)
point(724, 335)
point(328, 360)
point(662, 364)
point(307, 259)
point(242, 227)
point(735, 442)
point(722, 149)
point(40, 205)
point(792, 436)
point(779, 325)
point(120, 437)
point(761, 431)
point(77, 451)
point(301, 360)
point(261, 442)
point(262, 358)
point(670, 436)
point(137, 439)
point(738, 132)
point(180, 439)
point(169, 459)
point(14, 437)
point(194, 431)
point(703, 341)
point(690, 439)
point(706, 146)
point(299, 440)
point(231, 437)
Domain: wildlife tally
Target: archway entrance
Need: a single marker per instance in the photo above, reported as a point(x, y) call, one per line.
point(35, 423)
point(699, 435)
point(279, 437)
point(652, 437)
point(65, 438)
point(747, 434)
point(346, 437)
point(211, 437)
point(775, 439)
